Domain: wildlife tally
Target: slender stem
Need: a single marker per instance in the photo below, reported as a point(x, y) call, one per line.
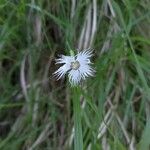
point(78, 139)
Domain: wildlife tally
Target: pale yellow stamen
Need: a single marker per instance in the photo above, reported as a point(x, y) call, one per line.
point(75, 65)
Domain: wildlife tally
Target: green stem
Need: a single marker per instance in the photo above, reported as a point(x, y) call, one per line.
point(78, 139)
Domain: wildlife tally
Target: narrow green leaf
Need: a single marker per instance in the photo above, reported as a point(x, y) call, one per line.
point(145, 142)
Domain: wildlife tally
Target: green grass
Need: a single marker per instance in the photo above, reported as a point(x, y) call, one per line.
point(110, 111)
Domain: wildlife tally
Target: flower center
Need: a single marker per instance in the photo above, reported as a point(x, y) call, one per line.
point(75, 65)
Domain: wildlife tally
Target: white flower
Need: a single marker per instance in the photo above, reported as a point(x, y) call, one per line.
point(78, 67)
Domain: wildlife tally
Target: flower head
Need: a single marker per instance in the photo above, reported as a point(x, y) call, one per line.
point(78, 67)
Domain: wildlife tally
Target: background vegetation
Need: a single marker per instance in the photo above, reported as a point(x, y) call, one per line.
point(36, 111)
